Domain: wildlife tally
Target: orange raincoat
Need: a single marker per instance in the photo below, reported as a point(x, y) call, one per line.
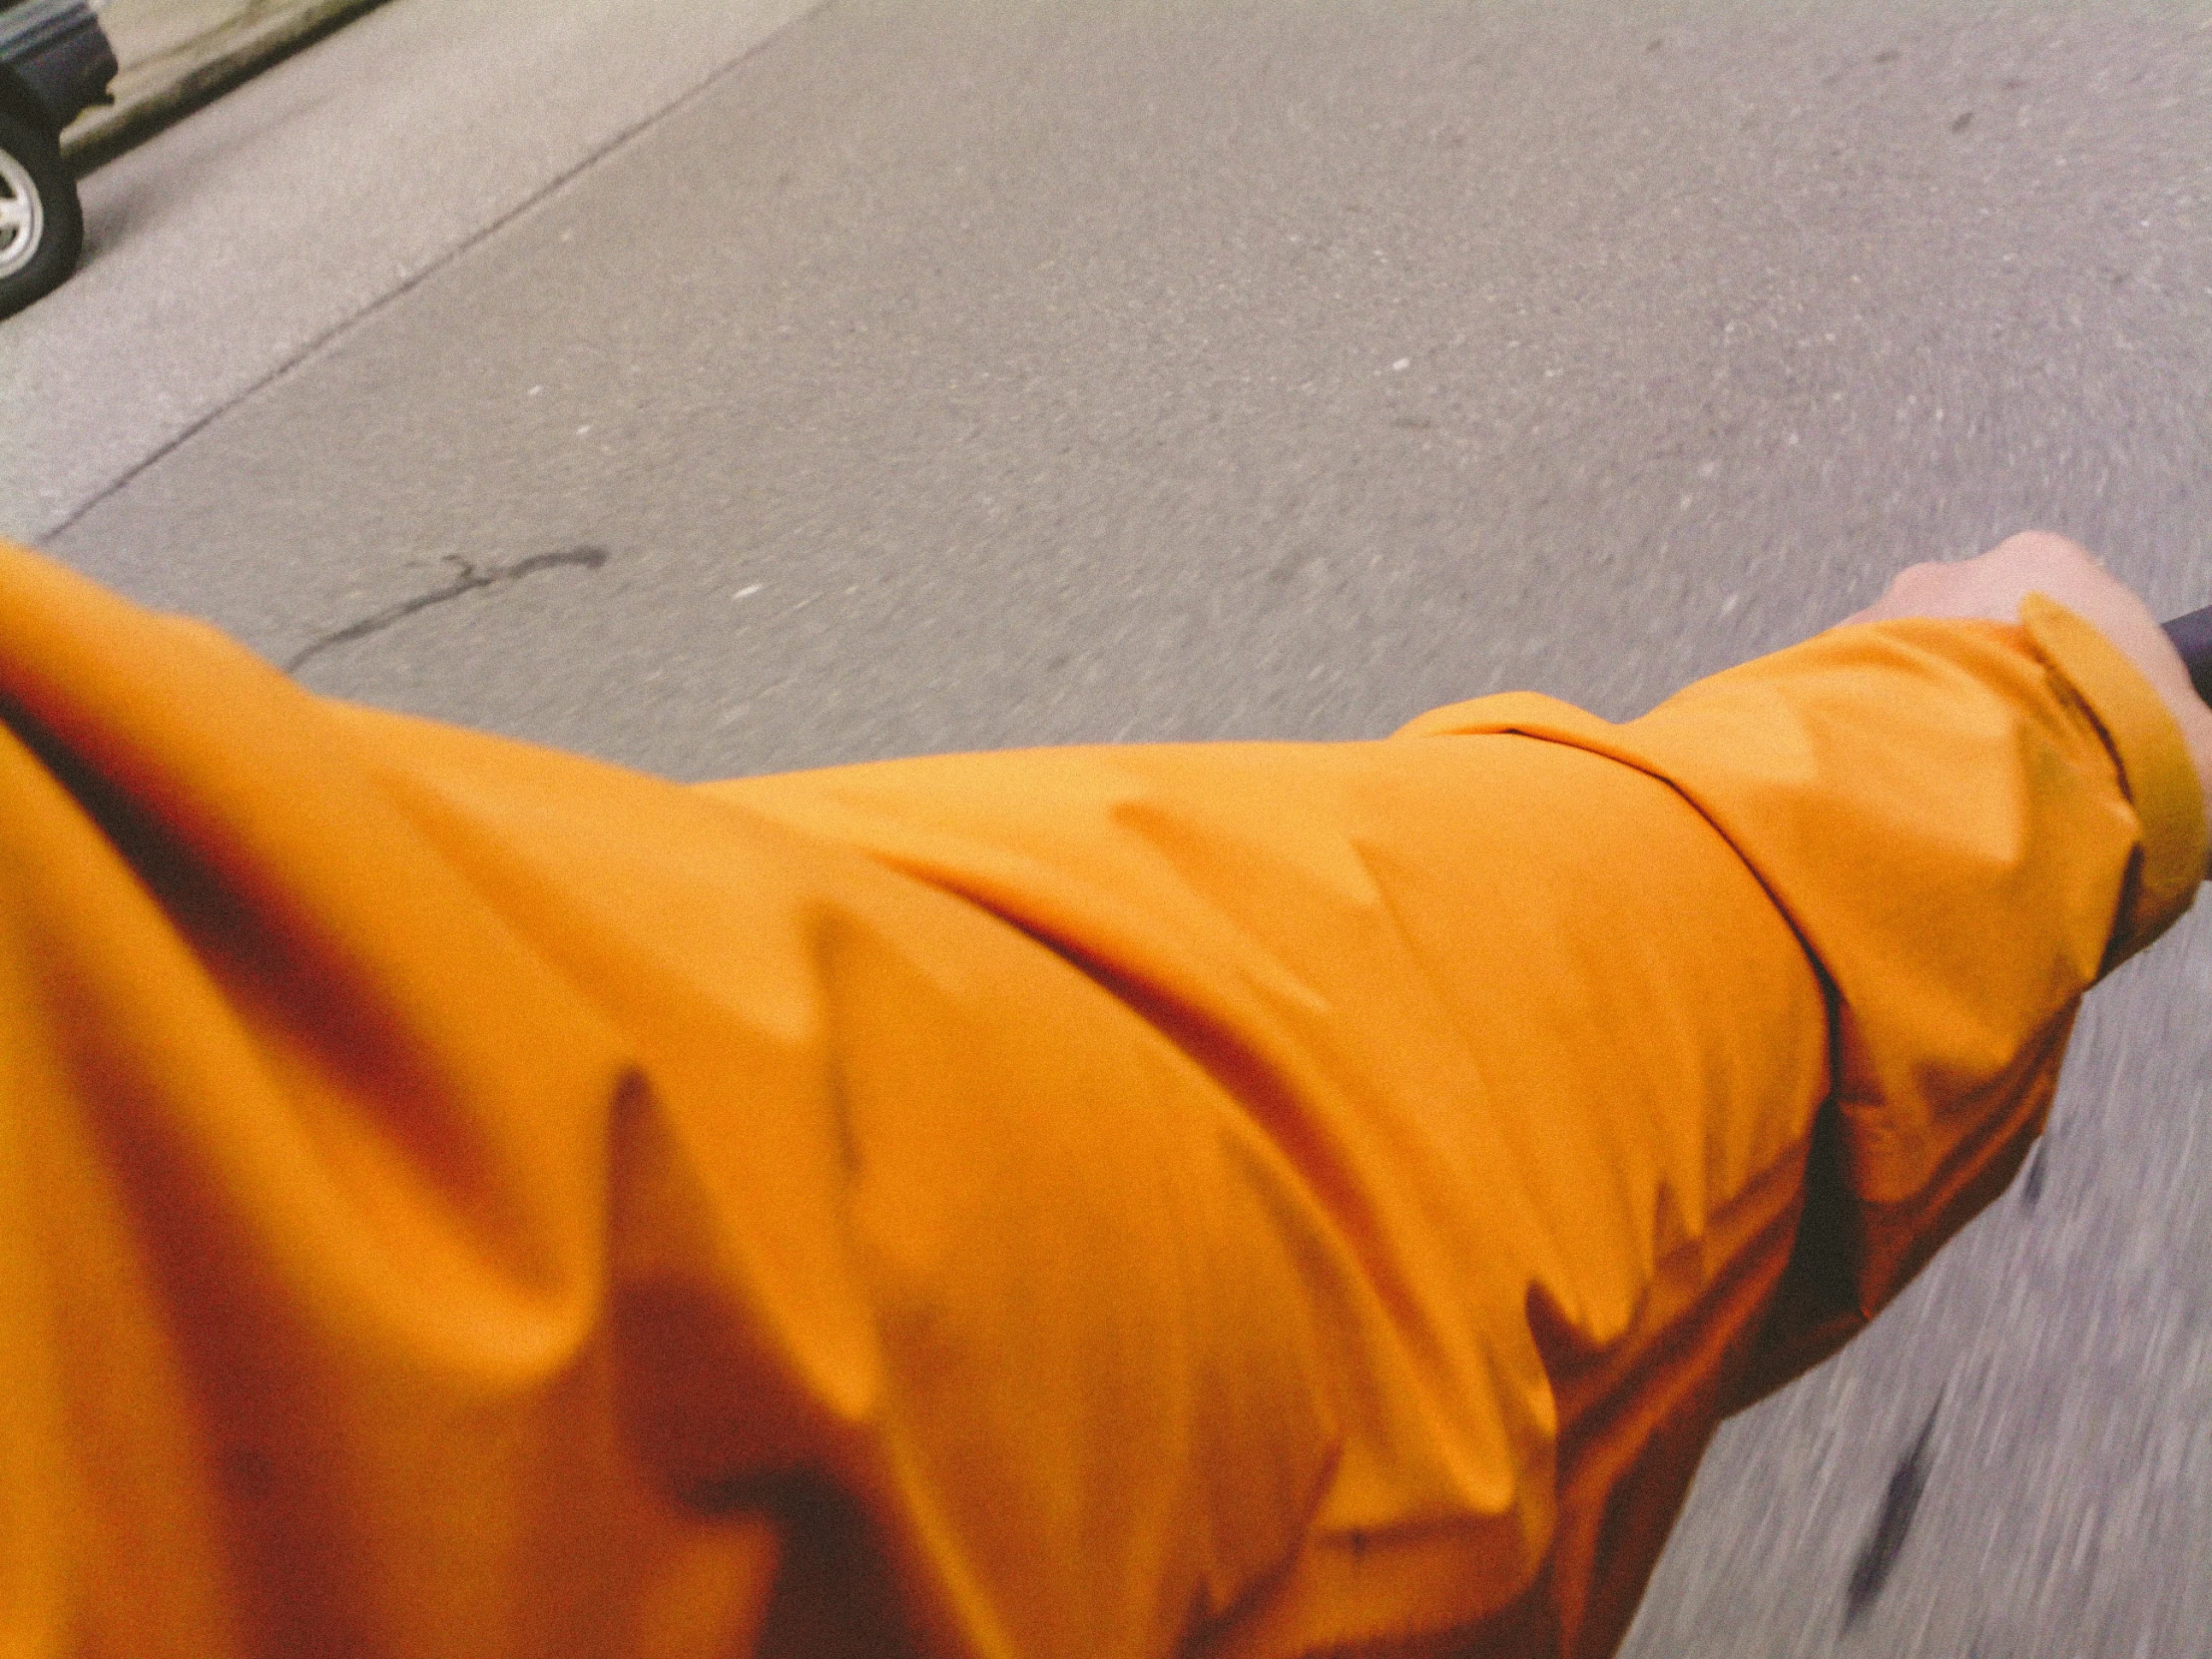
point(459, 1199)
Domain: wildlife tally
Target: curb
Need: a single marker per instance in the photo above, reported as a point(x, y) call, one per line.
point(197, 74)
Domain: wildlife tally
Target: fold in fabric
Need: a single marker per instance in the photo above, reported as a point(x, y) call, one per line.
point(461, 1199)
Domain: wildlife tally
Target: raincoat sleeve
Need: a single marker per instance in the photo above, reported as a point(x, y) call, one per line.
point(460, 1199)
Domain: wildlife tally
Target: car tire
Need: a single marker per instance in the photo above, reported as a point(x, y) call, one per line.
point(42, 226)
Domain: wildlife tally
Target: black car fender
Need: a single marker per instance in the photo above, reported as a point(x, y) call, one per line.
point(55, 60)
point(17, 99)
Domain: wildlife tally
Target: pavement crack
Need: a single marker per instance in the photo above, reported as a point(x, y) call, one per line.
point(1887, 1541)
point(469, 580)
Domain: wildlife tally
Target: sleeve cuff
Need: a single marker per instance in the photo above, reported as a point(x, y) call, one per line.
point(2154, 766)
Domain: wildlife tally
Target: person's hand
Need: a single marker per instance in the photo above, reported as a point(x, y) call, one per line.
point(2036, 561)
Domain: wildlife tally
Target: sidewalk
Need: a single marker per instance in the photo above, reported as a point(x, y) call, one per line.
point(179, 54)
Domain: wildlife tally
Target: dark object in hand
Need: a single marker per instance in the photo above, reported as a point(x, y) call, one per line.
point(2192, 637)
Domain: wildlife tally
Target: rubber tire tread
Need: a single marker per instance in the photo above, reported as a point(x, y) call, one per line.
point(40, 153)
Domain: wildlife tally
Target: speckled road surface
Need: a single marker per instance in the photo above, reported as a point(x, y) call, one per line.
point(948, 373)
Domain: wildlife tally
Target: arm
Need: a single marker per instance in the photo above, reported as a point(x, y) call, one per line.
point(1692, 1057)
point(1256, 1197)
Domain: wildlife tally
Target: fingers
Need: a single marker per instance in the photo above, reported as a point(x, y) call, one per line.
point(1992, 586)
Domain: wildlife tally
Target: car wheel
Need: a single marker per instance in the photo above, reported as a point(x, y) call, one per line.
point(42, 227)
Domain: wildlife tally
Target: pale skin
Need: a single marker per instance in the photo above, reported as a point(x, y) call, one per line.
point(2036, 561)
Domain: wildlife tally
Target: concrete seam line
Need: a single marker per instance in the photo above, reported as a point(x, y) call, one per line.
point(328, 336)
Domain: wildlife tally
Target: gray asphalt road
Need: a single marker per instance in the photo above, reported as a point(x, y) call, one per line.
point(944, 375)
point(229, 251)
